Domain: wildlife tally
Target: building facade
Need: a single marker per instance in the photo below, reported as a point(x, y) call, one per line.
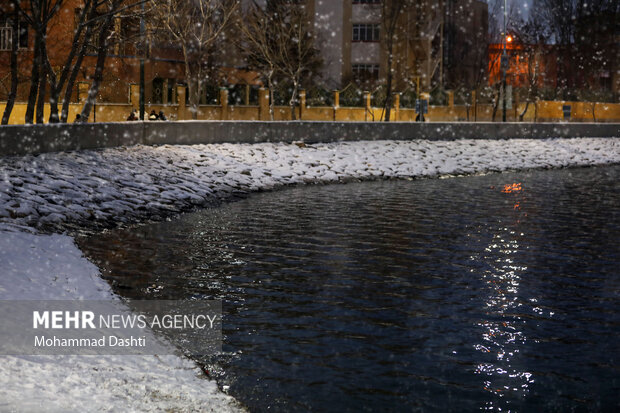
point(351, 37)
point(164, 64)
point(437, 42)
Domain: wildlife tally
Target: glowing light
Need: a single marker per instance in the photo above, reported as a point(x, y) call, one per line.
point(509, 188)
point(509, 38)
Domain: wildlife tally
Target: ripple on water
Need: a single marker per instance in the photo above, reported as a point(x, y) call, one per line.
point(493, 292)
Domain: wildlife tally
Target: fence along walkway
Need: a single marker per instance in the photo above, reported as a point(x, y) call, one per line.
point(541, 111)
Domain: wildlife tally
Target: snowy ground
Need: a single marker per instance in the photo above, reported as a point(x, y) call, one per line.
point(52, 192)
point(49, 267)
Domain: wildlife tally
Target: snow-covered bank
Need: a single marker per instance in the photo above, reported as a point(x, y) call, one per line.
point(50, 267)
point(130, 184)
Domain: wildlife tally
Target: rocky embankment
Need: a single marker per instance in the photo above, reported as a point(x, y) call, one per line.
point(104, 188)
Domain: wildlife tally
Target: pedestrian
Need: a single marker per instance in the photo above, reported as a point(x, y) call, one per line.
point(132, 115)
point(153, 115)
point(162, 116)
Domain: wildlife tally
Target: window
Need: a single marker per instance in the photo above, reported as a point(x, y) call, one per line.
point(171, 90)
point(129, 38)
point(605, 80)
point(366, 71)
point(93, 41)
point(6, 35)
point(365, 32)
point(23, 35)
point(163, 91)
point(157, 92)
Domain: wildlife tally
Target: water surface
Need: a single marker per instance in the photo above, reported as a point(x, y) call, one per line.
point(484, 292)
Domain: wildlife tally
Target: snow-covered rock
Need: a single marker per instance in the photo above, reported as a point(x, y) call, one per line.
point(90, 188)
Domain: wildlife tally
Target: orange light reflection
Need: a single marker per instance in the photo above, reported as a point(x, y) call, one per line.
point(510, 188)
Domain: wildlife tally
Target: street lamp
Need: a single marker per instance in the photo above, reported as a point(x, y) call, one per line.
point(504, 66)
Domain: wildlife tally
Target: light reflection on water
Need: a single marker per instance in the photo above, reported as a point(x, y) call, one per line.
point(496, 292)
point(501, 332)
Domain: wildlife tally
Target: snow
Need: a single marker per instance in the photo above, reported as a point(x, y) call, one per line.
point(91, 188)
point(57, 191)
point(49, 267)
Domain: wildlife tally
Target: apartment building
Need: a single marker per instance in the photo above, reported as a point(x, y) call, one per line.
point(351, 36)
point(352, 41)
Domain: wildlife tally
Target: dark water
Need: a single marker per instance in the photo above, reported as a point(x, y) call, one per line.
point(497, 292)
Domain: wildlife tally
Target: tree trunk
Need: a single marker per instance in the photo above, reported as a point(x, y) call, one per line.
point(102, 53)
point(64, 114)
point(294, 99)
point(522, 114)
point(54, 90)
point(496, 102)
point(475, 103)
point(49, 70)
point(34, 80)
point(388, 98)
point(40, 116)
point(14, 79)
point(193, 86)
point(78, 49)
point(194, 96)
point(270, 86)
point(74, 74)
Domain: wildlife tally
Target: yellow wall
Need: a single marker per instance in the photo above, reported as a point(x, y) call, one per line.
point(580, 111)
point(543, 111)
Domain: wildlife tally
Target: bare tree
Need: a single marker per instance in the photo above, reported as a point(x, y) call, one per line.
point(531, 37)
point(83, 42)
point(105, 38)
point(102, 45)
point(391, 11)
point(559, 15)
point(38, 14)
point(195, 26)
point(583, 32)
point(279, 42)
point(467, 35)
point(260, 45)
point(14, 78)
point(298, 58)
point(73, 60)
